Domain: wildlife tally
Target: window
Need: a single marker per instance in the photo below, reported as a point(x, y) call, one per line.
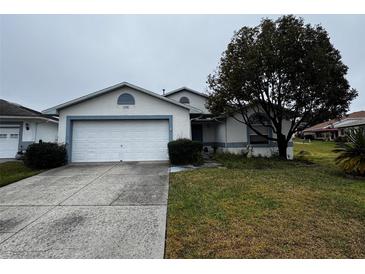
point(184, 100)
point(126, 99)
point(258, 122)
point(14, 135)
point(3, 136)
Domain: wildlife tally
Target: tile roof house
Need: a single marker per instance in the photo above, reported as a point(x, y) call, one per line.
point(334, 128)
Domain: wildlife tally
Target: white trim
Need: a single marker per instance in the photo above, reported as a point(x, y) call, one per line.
point(29, 118)
point(54, 109)
point(195, 110)
point(186, 89)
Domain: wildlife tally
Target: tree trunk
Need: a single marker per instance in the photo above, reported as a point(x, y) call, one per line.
point(282, 146)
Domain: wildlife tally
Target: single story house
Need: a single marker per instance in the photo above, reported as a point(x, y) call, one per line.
point(21, 126)
point(129, 123)
point(332, 129)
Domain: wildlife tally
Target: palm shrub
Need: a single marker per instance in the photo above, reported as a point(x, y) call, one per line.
point(351, 156)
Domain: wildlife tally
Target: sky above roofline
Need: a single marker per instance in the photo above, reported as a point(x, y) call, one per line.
point(50, 59)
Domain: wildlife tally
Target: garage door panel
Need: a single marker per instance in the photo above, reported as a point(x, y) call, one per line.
point(136, 140)
point(9, 141)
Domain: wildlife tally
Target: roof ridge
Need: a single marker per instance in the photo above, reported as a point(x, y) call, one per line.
point(109, 89)
point(187, 89)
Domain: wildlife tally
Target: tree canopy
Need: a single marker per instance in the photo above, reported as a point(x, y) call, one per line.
point(287, 70)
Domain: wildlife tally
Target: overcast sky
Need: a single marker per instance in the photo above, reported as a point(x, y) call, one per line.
point(50, 59)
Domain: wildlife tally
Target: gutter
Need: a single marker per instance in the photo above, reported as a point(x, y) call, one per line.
point(29, 117)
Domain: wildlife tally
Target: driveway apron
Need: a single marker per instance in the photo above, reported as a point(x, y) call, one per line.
point(114, 210)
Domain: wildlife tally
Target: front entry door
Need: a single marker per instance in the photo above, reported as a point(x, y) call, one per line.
point(197, 132)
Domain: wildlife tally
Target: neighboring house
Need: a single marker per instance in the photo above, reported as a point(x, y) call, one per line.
point(129, 123)
point(332, 129)
point(21, 126)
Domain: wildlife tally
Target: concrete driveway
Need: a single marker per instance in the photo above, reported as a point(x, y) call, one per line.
point(86, 211)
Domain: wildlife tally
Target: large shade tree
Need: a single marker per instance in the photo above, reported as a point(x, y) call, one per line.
point(281, 70)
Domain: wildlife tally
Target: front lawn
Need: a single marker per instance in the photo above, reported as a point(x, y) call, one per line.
point(14, 171)
point(316, 151)
point(267, 208)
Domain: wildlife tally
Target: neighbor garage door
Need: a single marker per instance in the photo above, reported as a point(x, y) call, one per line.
point(9, 141)
point(134, 140)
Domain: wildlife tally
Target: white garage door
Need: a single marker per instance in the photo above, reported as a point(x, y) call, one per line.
point(9, 140)
point(105, 141)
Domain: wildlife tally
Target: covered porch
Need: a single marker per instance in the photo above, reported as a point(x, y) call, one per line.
point(204, 129)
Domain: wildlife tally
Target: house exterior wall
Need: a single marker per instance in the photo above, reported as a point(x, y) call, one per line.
point(37, 130)
point(236, 131)
point(195, 100)
point(29, 134)
point(221, 136)
point(237, 139)
point(47, 132)
point(106, 105)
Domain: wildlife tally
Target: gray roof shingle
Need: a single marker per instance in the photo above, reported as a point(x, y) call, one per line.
point(12, 109)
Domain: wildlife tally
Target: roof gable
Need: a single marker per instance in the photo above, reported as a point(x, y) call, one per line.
point(54, 109)
point(185, 89)
point(197, 100)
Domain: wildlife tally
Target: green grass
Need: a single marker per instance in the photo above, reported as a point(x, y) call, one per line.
point(316, 151)
point(13, 171)
point(267, 208)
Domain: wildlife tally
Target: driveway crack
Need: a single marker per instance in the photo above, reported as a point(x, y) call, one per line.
point(93, 180)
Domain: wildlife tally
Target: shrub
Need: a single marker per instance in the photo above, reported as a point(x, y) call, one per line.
point(45, 155)
point(185, 151)
point(352, 153)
